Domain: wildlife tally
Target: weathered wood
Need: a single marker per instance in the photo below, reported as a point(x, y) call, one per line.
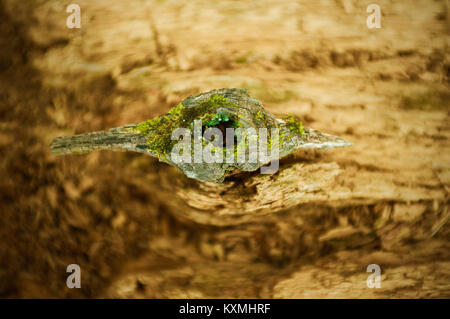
point(140, 228)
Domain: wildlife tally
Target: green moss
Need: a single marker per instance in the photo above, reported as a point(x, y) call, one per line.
point(295, 126)
point(217, 100)
point(156, 129)
point(216, 119)
point(260, 116)
point(159, 130)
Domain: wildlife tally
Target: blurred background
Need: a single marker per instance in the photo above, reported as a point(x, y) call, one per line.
point(140, 229)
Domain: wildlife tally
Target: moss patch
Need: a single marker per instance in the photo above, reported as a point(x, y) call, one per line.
point(260, 116)
point(295, 126)
point(159, 130)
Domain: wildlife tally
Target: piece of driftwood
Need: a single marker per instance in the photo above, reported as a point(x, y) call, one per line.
point(229, 125)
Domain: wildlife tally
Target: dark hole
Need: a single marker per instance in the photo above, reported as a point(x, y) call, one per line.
point(222, 127)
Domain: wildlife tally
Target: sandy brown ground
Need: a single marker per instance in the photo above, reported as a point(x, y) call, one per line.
point(139, 228)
